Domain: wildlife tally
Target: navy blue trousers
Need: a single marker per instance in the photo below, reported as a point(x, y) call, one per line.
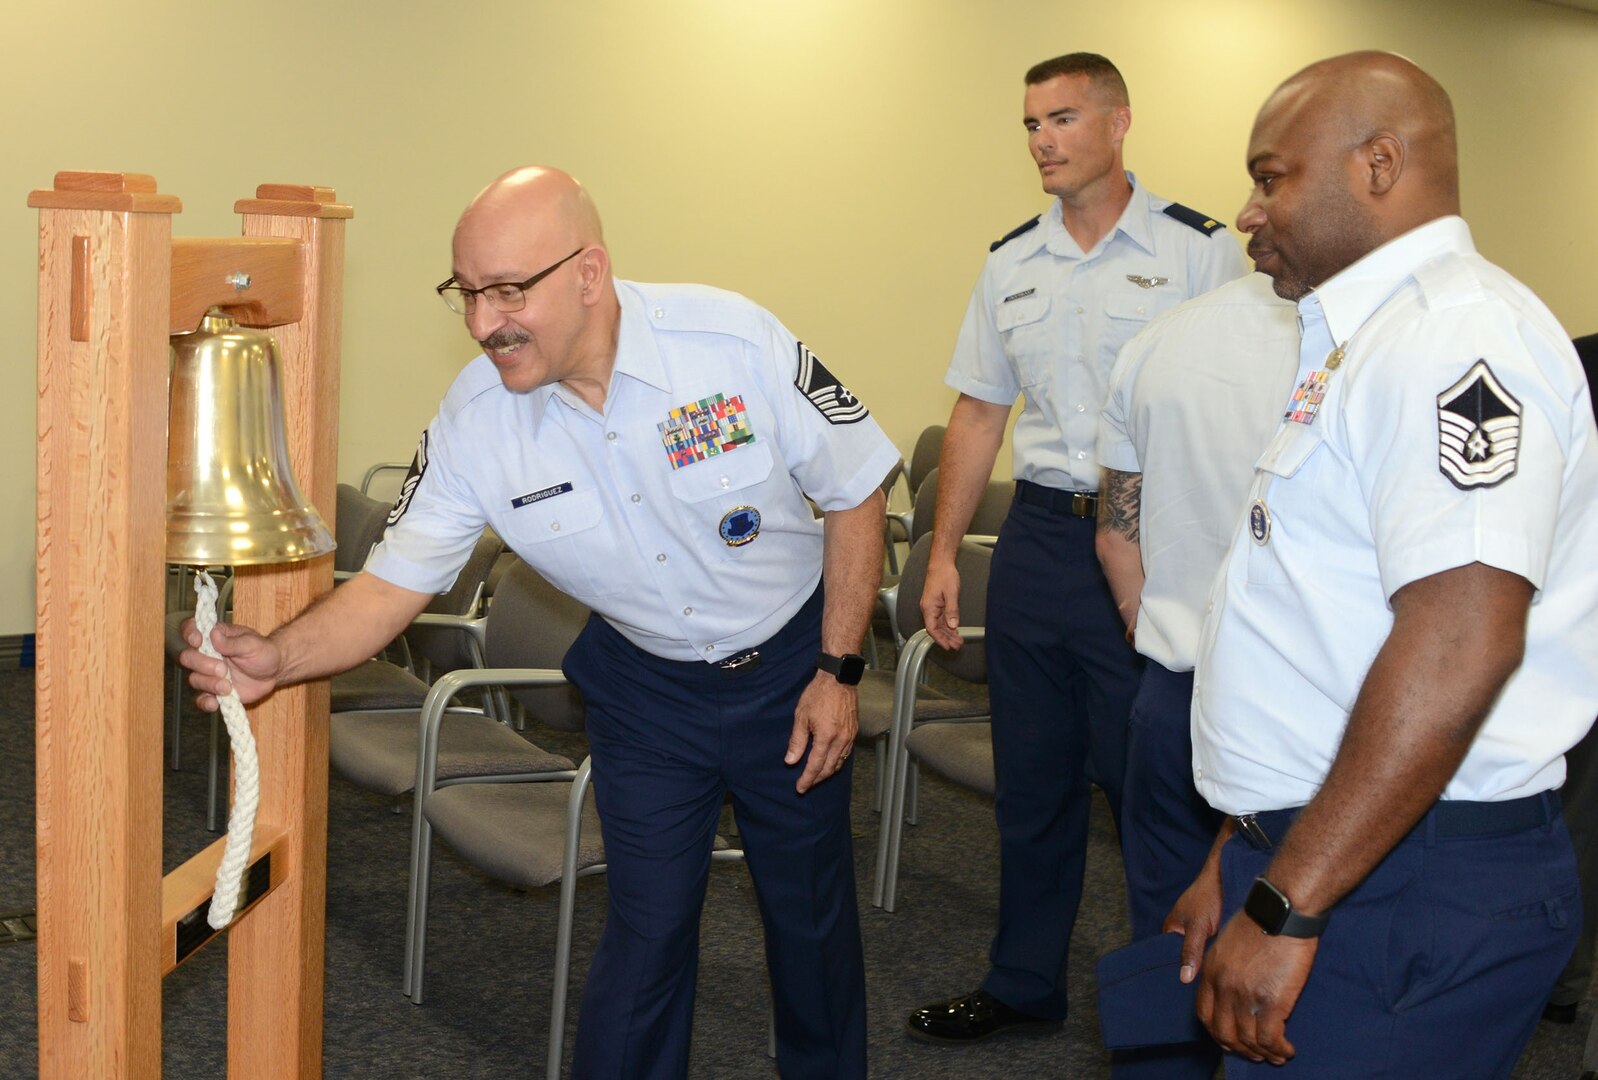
point(1438, 964)
point(1167, 831)
point(1061, 680)
point(669, 741)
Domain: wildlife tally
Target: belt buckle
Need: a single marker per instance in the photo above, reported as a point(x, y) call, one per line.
point(746, 661)
point(1084, 504)
point(1249, 826)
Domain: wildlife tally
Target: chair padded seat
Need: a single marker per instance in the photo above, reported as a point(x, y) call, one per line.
point(514, 832)
point(876, 704)
point(377, 684)
point(961, 752)
point(377, 750)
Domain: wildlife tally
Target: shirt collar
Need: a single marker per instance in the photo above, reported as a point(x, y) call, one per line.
point(1352, 295)
point(1133, 224)
point(637, 355)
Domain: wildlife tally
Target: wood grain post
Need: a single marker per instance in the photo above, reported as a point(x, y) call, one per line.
point(104, 267)
point(276, 955)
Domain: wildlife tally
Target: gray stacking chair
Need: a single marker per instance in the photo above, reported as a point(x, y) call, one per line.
point(529, 830)
point(436, 647)
point(986, 519)
point(376, 684)
point(958, 749)
point(923, 461)
point(502, 819)
point(378, 749)
point(889, 533)
point(371, 474)
point(440, 638)
point(877, 688)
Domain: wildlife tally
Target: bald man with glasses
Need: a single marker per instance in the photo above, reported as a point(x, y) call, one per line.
point(649, 450)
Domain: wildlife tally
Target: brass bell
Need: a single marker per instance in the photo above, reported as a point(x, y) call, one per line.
point(231, 498)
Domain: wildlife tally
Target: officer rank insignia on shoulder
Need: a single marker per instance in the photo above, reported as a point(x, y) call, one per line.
point(1193, 219)
point(822, 389)
point(705, 428)
point(408, 486)
point(1024, 227)
point(1478, 430)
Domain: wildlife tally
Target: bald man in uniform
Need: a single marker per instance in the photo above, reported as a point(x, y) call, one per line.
point(648, 449)
point(1381, 707)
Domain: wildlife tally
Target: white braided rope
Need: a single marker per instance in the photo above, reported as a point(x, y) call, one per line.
point(246, 772)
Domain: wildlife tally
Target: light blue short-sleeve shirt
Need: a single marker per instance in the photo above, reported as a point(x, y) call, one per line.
point(1046, 320)
point(679, 513)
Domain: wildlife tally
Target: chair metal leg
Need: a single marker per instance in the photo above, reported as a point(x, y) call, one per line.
point(893, 822)
point(911, 663)
point(881, 747)
point(914, 793)
point(416, 901)
point(563, 931)
point(213, 769)
point(175, 715)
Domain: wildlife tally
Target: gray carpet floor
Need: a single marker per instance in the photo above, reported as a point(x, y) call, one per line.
point(488, 986)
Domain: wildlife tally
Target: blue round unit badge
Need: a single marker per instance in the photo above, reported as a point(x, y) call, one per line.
point(1259, 522)
point(740, 525)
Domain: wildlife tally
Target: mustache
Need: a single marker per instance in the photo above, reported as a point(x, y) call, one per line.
point(504, 337)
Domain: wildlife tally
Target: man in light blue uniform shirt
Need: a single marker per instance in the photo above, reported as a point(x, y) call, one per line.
point(1193, 400)
point(1401, 648)
point(649, 450)
point(1056, 300)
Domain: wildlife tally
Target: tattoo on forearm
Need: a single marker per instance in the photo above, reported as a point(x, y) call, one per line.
point(1120, 502)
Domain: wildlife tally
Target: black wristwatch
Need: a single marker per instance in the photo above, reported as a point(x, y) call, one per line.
point(847, 668)
point(1270, 907)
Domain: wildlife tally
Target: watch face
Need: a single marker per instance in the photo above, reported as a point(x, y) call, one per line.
point(852, 668)
point(1267, 906)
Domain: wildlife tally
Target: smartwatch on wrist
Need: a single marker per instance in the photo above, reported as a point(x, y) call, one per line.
point(847, 669)
point(1273, 911)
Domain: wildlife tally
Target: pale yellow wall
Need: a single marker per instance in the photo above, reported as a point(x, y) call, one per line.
point(845, 162)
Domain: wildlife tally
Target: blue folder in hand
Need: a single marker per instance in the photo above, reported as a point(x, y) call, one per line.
point(1142, 1002)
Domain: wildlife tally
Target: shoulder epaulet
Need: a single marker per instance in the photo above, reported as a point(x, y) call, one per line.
point(1015, 232)
point(1193, 219)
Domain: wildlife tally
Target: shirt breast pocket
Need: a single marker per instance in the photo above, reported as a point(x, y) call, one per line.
point(1024, 327)
point(708, 490)
point(1284, 458)
point(561, 538)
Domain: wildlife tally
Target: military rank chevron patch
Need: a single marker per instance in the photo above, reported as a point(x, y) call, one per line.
point(823, 390)
point(1478, 430)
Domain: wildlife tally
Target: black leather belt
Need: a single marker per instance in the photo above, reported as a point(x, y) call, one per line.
point(1449, 818)
point(1079, 503)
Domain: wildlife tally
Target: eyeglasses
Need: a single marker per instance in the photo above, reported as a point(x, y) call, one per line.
point(503, 296)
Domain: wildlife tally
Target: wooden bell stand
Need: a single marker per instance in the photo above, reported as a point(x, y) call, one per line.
point(113, 284)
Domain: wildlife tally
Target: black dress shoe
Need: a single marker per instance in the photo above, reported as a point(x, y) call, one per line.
point(1560, 1014)
point(972, 1017)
